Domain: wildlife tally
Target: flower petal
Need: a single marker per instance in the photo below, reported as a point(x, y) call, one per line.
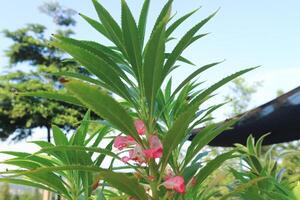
point(140, 127)
point(175, 183)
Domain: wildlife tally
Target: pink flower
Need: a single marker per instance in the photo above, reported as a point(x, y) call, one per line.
point(175, 183)
point(169, 174)
point(156, 148)
point(123, 141)
point(135, 154)
point(140, 126)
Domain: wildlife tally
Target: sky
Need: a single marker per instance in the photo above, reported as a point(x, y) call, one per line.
point(244, 33)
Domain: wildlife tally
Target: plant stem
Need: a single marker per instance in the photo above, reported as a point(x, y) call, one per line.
point(155, 194)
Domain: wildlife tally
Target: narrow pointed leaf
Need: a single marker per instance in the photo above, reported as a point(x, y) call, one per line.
point(176, 133)
point(142, 21)
point(30, 157)
point(222, 82)
point(212, 166)
point(25, 182)
point(79, 137)
point(183, 44)
point(165, 13)
point(177, 23)
point(108, 51)
point(80, 77)
point(181, 58)
point(98, 26)
point(121, 181)
point(104, 105)
point(197, 37)
point(95, 64)
point(58, 136)
point(192, 76)
point(153, 61)
point(55, 96)
point(129, 185)
point(131, 39)
point(111, 26)
point(204, 137)
point(78, 148)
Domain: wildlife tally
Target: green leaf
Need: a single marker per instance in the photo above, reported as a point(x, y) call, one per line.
point(30, 157)
point(100, 134)
point(101, 157)
point(25, 182)
point(178, 22)
point(198, 137)
point(164, 14)
point(143, 21)
point(89, 58)
point(80, 77)
point(183, 44)
point(197, 37)
point(153, 62)
point(77, 148)
point(22, 163)
point(168, 90)
point(124, 183)
point(192, 76)
point(98, 26)
point(59, 155)
point(204, 137)
point(104, 105)
point(131, 39)
point(111, 26)
point(259, 144)
point(250, 145)
point(108, 51)
point(255, 163)
point(244, 186)
point(80, 134)
point(211, 166)
point(55, 96)
point(108, 55)
point(120, 181)
point(177, 133)
point(16, 154)
point(181, 58)
point(50, 179)
point(190, 171)
point(219, 84)
point(58, 136)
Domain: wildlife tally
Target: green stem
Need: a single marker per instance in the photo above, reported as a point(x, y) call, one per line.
point(155, 194)
point(154, 184)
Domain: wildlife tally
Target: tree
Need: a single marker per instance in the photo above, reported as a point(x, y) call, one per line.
point(19, 114)
point(241, 95)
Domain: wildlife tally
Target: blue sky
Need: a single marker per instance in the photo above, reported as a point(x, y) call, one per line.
point(245, 33)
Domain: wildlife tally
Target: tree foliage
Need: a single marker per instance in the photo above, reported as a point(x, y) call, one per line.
point(31, 49)
point(240, 95)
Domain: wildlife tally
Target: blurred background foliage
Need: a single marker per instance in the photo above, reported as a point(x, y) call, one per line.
point(20, 115)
